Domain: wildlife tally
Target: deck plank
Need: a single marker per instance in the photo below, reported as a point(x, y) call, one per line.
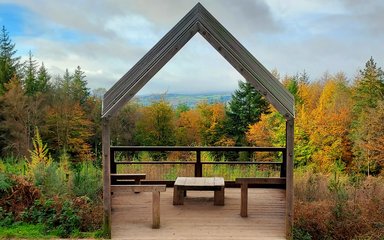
point(198, 218)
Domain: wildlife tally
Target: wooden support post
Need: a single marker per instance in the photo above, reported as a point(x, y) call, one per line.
point(113, 164)
point(198, 165)
point(244, 200)
point(289, 172)
point(106, 177)
point(155, 209)
point(283, 170)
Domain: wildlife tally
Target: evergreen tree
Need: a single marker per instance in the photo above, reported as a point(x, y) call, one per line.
point(9, 64)
point(244, 109)
point(368, 92)
point(43, 78)
point(30, 80)
point(79, 86)
point(369, 87)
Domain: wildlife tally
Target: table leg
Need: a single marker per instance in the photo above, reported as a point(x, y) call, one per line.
point(219, 197)
point(156, 209)
point(244, 200)
point(178, 196)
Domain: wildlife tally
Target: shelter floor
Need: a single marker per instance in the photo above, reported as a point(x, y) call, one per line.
point(198, 218)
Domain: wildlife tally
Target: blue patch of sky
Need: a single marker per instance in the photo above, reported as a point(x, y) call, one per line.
point(12, 18)
point(20, 22)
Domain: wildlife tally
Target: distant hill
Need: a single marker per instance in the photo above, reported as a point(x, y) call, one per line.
point(191, 100)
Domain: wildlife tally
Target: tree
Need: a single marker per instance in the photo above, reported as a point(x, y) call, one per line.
point(30, 76)
point(9, 64)
point(69, 126)
point(15, 123)
point(79, 89)
point(368, 92)
point(155, 126)
point(187, 128)
point(244, 109)
point(369, 87)
point(372, 139)
point(43, 79)
point(331, 120)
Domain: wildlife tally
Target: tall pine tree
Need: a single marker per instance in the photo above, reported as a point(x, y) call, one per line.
point(30, 76)
point(9, 64)
point(244, 109)
point(79, 86)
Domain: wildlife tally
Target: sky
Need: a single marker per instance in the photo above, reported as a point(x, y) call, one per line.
point(106, 38)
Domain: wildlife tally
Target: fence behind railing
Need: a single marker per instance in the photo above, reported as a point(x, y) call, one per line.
point(196, 162)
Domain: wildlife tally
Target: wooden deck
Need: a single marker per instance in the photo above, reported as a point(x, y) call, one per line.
point(198, 218)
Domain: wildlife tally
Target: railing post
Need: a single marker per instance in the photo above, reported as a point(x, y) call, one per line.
point(283, 168)
point(198, 165)
point(113, 164)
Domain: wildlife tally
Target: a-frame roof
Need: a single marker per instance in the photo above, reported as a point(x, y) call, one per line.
point(201, 21)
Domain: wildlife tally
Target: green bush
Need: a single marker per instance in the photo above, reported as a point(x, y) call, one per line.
point(87, 181)
point(50, 179)
point(59, 219)
point(5, 184)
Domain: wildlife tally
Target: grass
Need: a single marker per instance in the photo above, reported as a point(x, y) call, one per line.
point(338, 206)
point(31, 231)
point(171, 171)
point(37, 231)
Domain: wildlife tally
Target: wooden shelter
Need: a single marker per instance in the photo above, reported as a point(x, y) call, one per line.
point(199, 20)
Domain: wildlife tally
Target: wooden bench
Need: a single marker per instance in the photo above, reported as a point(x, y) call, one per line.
point(182, 184)
point(121, 178)
point(155, 189)
point(244, 189)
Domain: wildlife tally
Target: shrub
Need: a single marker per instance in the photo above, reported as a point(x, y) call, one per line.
point(87, 181)
point(58, 218)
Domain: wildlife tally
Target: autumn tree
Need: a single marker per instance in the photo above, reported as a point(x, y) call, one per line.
point(331, 120)
point(187, 128)
point(69, 126)
point(156, 125)
point(123, 125)
point(14, 109)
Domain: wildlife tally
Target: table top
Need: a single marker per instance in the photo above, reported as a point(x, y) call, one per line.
point(199, 181)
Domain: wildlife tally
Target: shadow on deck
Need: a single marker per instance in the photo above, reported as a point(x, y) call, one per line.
point(198, 218)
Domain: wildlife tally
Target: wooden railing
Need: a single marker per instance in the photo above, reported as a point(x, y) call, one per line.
point(198, 170)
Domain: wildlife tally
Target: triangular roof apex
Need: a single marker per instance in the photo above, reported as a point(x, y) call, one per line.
point(197, 19)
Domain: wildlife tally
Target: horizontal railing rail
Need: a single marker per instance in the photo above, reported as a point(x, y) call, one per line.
point(198, 149)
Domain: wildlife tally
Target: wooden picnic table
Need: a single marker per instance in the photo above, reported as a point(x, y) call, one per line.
point(182, 184)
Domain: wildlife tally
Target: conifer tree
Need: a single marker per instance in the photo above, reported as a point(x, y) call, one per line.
point(9, 64)
point(30, 80)
point(43, 79)
point(244, 109)
point(79, 86)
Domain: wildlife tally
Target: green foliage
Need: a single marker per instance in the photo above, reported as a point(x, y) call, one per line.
point(244, 109)
point(24, 231)
point(6, 218)
point(59, 220)
point(87, 181)
point(300, 234)
point(6, 184)
point(9, 64)
point(30, 73)
point(156, 125)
